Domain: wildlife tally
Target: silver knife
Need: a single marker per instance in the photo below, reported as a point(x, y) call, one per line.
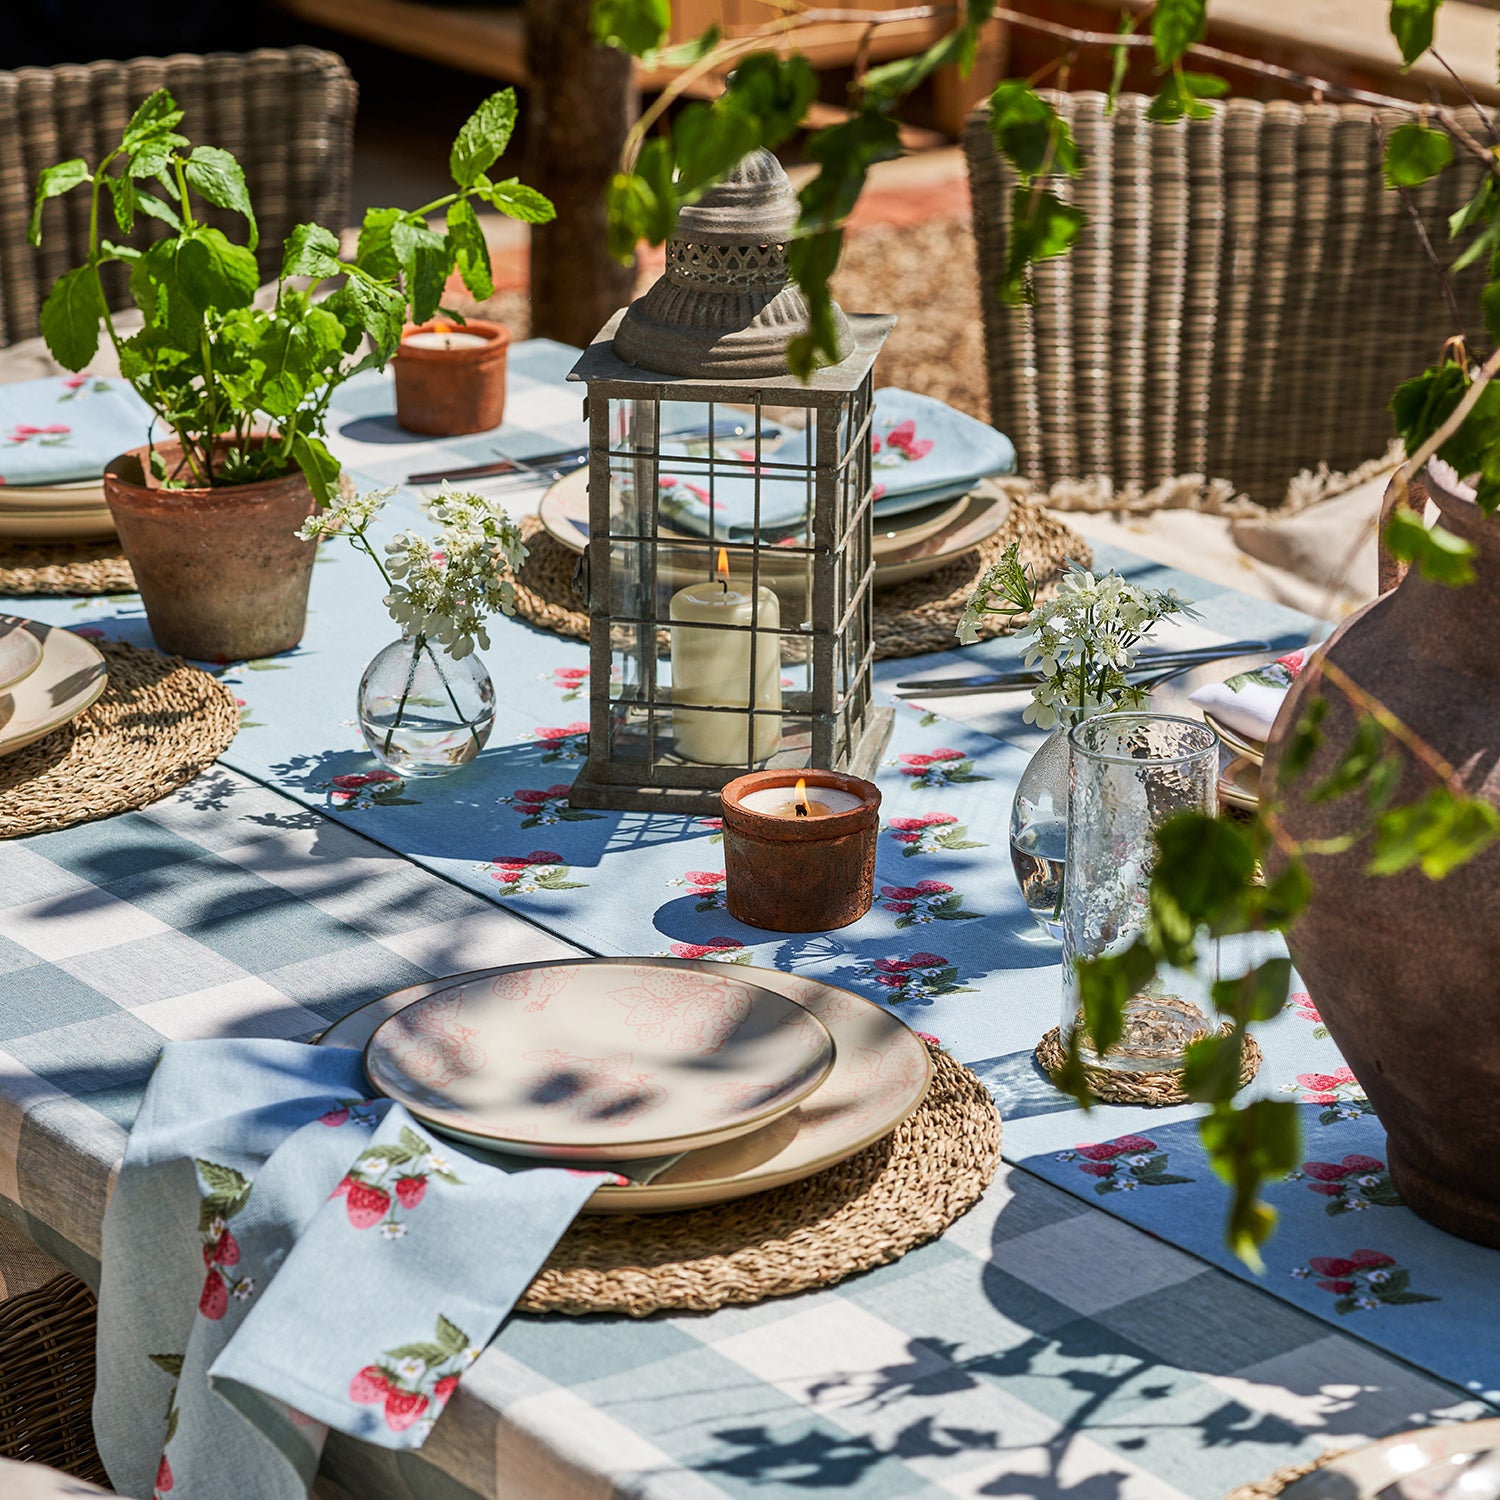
point(1156, 661)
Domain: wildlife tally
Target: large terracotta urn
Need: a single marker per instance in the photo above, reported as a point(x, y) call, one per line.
point(1405, 970)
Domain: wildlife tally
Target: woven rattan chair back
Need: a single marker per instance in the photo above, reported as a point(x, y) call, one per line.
point(1244, 299)
point(288, 116)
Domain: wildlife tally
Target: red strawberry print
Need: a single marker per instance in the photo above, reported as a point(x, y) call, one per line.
point(163, 1476)
point(334, 1116)
point(227, 1251)
point(1332, 1265)
point(370, 1386)
point(1341, 1286)
point(366, 1205)
point(402, 1408)
point(410, 1190)
point(444, 1388)
point(1369, 1260)
point(214, 1302)
point(344, 1184)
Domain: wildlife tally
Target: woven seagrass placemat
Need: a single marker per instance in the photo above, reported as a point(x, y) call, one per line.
point(1152, 1090)
point(158, 724)
point(911, 618)
point(97, 567)
point(1273, 1484)
point(887, 1199)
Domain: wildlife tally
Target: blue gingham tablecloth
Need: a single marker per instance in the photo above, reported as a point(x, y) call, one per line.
point(1054, 1345)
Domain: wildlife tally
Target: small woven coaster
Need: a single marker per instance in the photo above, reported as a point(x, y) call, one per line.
point(158, 724)
point(887, 1199)
point(1153, 1090)
point(910, 618)
point(1273, 1484)
point(65, 568)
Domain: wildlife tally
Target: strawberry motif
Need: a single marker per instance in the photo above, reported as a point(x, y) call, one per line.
point(366, 1205)
point(410, 1190)
point(227, 1251)
point(370, 1386)
point(402, 1408)
point(334, 1117)
point(444, 1388)
point(344, 1184)
point(214, 1302)
point(163, 1476)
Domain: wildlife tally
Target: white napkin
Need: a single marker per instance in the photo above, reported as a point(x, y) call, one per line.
point(1249, 701)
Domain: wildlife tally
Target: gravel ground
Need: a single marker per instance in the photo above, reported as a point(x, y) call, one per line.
point(924, 273)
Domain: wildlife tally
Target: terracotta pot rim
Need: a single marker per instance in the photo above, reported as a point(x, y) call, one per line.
point(224, 496)
point(497, 334)
point(799, 830)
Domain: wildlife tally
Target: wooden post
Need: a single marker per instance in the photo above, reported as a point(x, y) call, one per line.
point(580, 103)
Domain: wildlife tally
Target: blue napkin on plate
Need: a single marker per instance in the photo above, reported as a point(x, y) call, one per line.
point(284, 1254)
point(67, 427)
point(922, 450)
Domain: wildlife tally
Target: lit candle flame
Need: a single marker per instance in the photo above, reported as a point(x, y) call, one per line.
point(722, 571)
point(800, 805)
point(438, 326)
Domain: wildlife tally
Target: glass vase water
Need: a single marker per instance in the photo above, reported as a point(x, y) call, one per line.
point(423, 712)
point(1039, 831)
point(1129, 773)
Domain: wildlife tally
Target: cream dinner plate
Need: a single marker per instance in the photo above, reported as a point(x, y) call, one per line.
point(915, 526)
point(20, 652)
point(69, 678)
point(83, 524)
point(1250, 749)
point(1239, 780)
point(602, 1060)
point(880, 1074)
point(984, 512)
point(1421, 1465)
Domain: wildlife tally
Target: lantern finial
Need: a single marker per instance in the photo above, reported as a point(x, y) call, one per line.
point(726, 304)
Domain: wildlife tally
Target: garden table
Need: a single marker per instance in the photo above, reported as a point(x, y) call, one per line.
point(1041, 1347)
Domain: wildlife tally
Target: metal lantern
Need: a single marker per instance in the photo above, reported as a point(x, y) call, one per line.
point(729, 555)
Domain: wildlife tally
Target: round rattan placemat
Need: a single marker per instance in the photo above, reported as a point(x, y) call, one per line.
point(919, 615)
point(1273, 1484)
point(1153, 1090)
point(65, 568)
point(864, 1212)
point(158, 724)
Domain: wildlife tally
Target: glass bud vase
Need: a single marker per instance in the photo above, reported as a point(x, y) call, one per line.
point(1039, 831)
point(1129, 773)
point(422, 712)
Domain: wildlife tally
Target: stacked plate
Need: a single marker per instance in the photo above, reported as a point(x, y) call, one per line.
point(696, 1083)
point(48, 512)
point(48, 676)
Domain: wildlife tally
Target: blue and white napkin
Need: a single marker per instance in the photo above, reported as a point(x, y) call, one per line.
point(284, 1254)
point(66, 428)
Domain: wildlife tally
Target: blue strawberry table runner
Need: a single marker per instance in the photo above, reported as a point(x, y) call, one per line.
point(284, 1255)
point(65, 428)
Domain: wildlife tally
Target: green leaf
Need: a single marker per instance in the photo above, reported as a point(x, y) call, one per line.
point(413, 1142)
point(1411, 25)
point(884, 86)
point(634, 26)
point(292, 356)
point(685, 54)
point(483, 137)
point(154, 115)
point(1421, 404)
point(311, 250)
point(1206, 85)
point(452, 1338)
point(1203, 864)
point(1413, 153)
point(1489, 302)
point(812, 261)
point(844, 154)
point(1405, 1299)
point(1030, 134)
point(149, 203)
point(1119, 62)
point(318, 465)
point(518, 201)
point(469, 249)
point(1042, 226)
point(1257, 995)
point(122, 196)
point(218, 178)
point(1480, 209)
point(171, 1363)
point(1211, 1068)
point(223, 1180)
point(54, 182)
point(1439, 833)
point(70, 317)
point(1177, 97)
point(1246, 1145)
point(1175, 26)
point(1106, 985)
point(1438, 553)
point(425, 258)
point(374, 253)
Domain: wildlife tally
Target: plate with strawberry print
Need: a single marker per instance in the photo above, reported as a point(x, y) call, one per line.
point(880, 1074)
point(68, 679)
point(600, 1060)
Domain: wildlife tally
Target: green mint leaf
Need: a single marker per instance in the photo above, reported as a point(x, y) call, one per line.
point(1175, 26)
point(1203, 864)
point(1411, 24)
point(122, 198)
point(70, 317)
point(219, 179)
point(519, 202)
point(149, 203)
point(426, 258)
point(1439, 555)
point(1206, 85)
point(1030, 134)
point(310, 250)
point(54, 182)
point(470, 251)
point(1439, 833)
point(483, 137)
point(318, 465)
point(1042, 226)
point(633, 26)
point(375, 253)
point(155, 114)
point(1480, 209)
point(292, 357)
point(775, 91)
point(1413, 153)
point(1257, 995)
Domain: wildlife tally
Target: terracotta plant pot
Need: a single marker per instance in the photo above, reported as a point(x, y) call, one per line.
point(1403, 969)
point(221, 573)
point(448, 392)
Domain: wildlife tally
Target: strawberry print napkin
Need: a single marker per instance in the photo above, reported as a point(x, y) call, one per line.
point(283, 1255)
point(1249, 701)
point(67, 427)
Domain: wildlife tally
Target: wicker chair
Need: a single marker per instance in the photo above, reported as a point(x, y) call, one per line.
point(1244, 299)
point(287, 116)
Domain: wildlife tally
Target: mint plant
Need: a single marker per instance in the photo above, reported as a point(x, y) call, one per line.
point(245, 390)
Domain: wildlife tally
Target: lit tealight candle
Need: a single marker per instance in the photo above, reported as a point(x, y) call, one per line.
point(449, 338)
point(784, 802)
point(711, 668)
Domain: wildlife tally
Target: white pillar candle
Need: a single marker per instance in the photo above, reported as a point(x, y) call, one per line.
point(452, 339)
point(781, 801)
point(712, 667)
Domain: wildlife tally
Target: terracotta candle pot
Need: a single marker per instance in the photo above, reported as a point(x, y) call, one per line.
point(790, 873)
point(446, 382)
